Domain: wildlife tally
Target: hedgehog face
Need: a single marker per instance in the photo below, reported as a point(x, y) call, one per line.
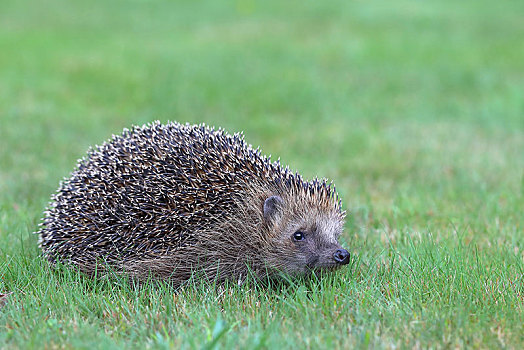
point(305, 239)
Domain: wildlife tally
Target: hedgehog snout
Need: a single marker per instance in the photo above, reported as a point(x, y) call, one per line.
point(341, 256)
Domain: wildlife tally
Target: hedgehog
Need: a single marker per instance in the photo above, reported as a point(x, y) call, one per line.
point(166, 201)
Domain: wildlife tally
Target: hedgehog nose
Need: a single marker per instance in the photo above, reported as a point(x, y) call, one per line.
point(341, 256)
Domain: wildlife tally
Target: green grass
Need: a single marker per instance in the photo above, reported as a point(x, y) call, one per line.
point(415, 109)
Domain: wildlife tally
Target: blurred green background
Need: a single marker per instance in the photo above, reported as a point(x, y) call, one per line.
point(414, 108)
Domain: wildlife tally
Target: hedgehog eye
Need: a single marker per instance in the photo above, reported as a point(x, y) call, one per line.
point(299, 236)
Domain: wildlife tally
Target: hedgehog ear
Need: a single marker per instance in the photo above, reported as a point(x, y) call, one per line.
point(272, 207)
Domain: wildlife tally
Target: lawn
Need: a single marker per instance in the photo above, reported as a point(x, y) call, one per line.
point(415, 110)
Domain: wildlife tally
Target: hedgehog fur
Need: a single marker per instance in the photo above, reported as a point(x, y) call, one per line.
point(164, 201)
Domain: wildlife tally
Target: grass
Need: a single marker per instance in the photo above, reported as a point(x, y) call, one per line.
point(415, 109)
